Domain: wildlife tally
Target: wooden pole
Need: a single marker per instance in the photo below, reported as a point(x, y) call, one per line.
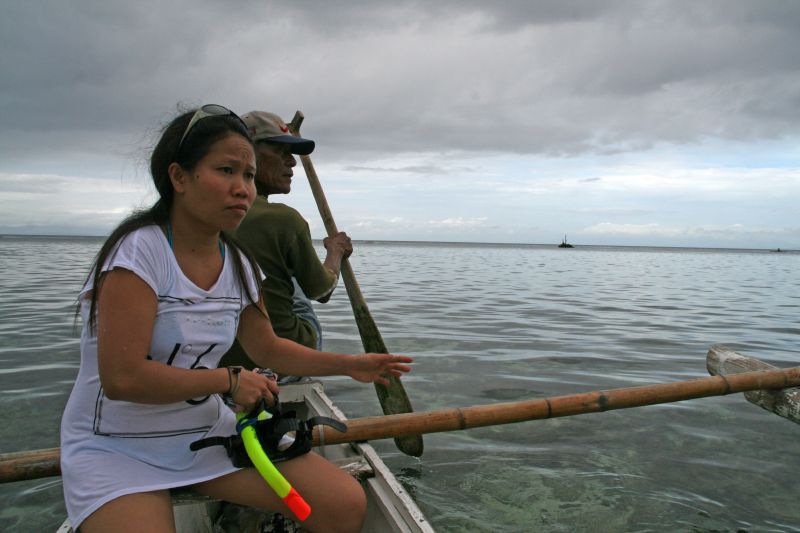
point(42, 463)
point(392, 397)
point(34, 464)
point(381, 427)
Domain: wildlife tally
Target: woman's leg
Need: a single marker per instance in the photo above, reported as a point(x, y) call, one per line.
point(337, 500)
point(144, 511)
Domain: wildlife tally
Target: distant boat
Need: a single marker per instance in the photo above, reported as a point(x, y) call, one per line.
point(776, 250)
point(565, 244)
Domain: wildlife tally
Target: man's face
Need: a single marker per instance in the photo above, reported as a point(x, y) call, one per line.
point(274, 163)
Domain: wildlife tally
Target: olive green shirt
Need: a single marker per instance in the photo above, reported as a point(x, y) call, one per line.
point(280, 240)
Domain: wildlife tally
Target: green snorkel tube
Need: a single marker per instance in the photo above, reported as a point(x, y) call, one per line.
point(244, 426)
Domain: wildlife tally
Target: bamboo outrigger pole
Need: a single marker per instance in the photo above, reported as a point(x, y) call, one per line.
point(381, 427)
point(42, 463)
point(392, 397)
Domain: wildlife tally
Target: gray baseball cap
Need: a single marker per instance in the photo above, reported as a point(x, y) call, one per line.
point(269, 127)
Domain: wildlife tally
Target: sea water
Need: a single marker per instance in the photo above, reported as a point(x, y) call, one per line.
point(500, 323)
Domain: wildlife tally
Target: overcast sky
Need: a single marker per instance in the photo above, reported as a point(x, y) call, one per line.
point(630, 122)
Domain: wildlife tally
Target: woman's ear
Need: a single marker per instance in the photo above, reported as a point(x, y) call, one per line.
point(177, 176)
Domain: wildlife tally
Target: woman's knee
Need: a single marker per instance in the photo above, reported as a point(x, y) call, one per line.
point(338, 502)
point(343, 511)
point(352, 498)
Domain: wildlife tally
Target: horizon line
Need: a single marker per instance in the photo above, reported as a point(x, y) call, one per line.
point(478, 243)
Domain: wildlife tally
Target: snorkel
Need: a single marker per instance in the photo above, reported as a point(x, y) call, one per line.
point(244, 426)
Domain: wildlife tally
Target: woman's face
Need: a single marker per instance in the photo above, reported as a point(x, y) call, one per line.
point(221, 188)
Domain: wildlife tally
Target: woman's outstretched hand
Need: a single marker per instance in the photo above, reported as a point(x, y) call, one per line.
point(378, 367)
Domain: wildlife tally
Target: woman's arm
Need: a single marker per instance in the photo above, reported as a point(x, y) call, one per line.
point(126, 316)
point(287, 357)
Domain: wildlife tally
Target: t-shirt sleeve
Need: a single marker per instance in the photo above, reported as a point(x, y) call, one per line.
point(142, 253)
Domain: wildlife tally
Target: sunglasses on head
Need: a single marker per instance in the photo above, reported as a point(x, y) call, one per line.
point(208, 110)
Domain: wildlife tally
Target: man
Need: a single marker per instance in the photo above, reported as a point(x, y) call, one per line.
point(279, 238)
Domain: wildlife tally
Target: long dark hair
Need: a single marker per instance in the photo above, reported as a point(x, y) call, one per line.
point(187, 153)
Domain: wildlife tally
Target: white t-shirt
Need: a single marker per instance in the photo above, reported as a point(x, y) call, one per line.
point(110, 448)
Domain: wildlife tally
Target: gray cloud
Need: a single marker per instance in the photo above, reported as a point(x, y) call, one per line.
point(426, 170)
point(512, 104)
point(554, 78)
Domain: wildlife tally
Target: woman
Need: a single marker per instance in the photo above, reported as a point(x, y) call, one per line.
point(167, 294)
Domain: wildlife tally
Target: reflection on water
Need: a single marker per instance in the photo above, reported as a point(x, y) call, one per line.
point(493, 324)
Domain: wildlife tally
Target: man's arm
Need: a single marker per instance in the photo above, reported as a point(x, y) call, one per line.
point(339, 247)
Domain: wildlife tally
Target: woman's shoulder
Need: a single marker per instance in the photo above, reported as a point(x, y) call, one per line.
point(253, 275)
point(150, 236)
point(151, 232)
point(144, 248)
